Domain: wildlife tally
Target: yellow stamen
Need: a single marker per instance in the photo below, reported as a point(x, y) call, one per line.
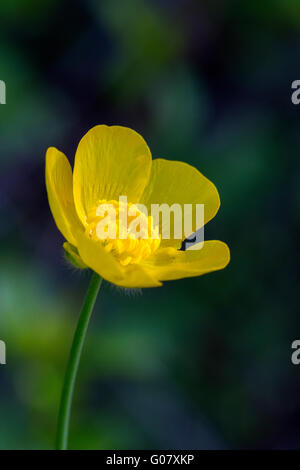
point(128, 246)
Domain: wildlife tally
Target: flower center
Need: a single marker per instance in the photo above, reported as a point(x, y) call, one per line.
point(124, 230)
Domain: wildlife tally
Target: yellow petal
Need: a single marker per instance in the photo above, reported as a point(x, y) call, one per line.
point(107, 266)
point(168, 263)
point(98, 259)
point(135, 275)
point(174, 182)
point(110, 162)
point(59, 183)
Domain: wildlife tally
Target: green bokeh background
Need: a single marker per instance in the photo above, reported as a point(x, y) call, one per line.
point(200, 363)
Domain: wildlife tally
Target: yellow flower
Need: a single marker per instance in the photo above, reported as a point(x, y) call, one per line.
point(115, 161)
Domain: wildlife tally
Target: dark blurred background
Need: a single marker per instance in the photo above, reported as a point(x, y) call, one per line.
point(201, 363)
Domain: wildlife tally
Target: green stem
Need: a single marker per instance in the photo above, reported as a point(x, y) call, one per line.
point(74, 359)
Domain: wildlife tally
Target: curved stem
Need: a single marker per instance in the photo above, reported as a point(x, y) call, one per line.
point(74, 359)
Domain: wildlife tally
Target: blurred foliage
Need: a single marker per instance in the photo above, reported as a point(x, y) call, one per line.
point(198, 363)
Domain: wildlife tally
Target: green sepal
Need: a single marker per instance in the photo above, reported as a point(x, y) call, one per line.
point(72, 255)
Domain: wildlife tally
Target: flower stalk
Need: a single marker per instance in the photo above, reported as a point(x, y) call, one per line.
point(73, 363)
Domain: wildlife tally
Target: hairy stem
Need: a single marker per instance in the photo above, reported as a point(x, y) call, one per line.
point(74, 359)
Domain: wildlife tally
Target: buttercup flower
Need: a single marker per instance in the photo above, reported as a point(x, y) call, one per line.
point(102, 209)
point(115, 161)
